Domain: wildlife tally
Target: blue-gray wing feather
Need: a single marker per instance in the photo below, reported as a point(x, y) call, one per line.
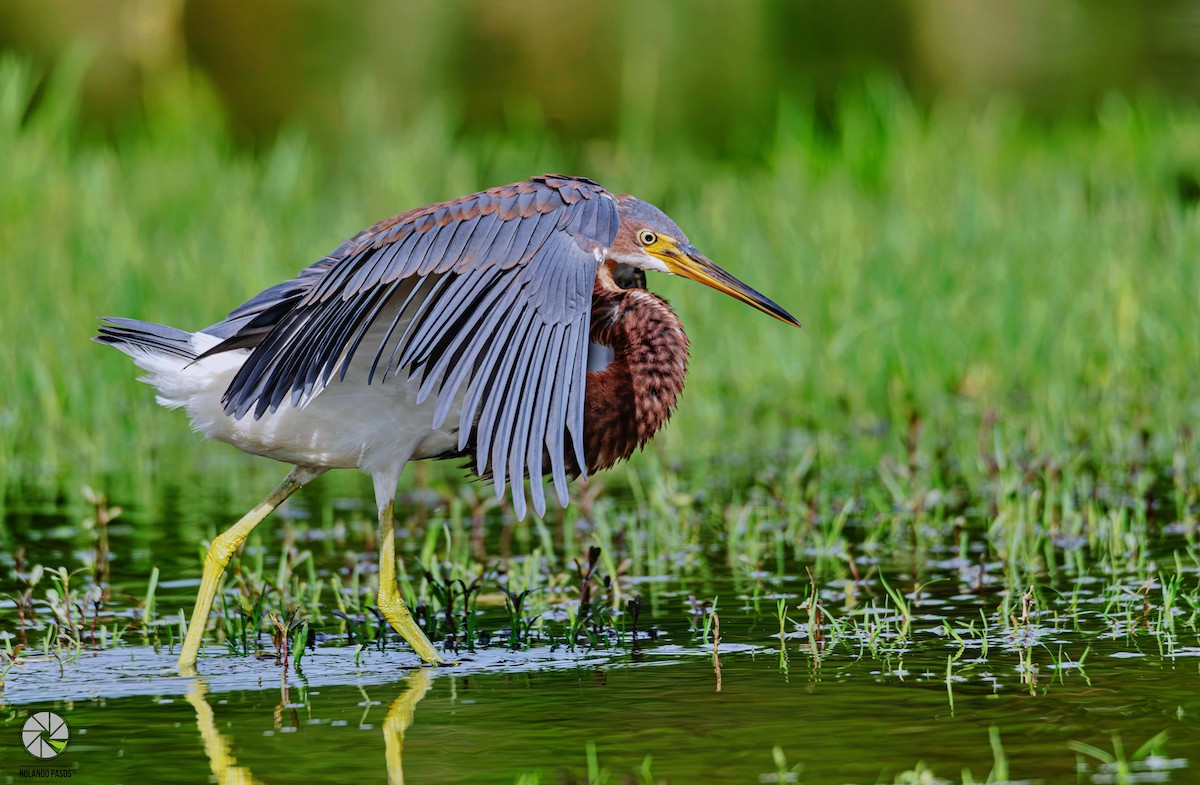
point(494, 294)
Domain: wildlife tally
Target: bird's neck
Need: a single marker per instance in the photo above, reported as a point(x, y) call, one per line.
point(630, 399)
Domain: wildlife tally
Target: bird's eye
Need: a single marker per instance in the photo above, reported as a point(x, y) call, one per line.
point(647, 237)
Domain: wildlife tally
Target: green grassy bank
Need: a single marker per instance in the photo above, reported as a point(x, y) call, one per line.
point(977, 288)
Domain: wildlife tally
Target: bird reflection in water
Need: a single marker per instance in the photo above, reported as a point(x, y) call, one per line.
point(218, 748)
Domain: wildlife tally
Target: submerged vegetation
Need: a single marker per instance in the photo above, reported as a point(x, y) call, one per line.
point(972, 477)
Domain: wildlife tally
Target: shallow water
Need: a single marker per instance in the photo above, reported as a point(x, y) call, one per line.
point(495, 716)
point(980, 679)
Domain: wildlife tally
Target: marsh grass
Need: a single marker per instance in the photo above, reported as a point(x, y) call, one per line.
point(979, 291)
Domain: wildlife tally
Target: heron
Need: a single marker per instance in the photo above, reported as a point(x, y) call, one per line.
point(510, 327)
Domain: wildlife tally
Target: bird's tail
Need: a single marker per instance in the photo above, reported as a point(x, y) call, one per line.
point(146, 340)
point(166, 354)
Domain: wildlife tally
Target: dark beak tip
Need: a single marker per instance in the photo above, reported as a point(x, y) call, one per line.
point(750, 295)
point(782, 315)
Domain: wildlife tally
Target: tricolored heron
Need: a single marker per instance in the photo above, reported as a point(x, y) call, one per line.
point(511, 327)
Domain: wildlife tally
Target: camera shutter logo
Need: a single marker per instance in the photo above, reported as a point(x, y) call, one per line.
point(45, 735)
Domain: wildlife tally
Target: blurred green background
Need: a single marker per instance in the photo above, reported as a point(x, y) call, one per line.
point(983, 213)
point(709, 72)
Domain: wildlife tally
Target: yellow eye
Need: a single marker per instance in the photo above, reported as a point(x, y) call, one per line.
point(647, 237)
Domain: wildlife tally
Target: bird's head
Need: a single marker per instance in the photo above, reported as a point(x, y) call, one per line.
point(648, 240)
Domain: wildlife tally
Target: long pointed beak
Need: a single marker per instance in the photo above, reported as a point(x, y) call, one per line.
point(690, 263)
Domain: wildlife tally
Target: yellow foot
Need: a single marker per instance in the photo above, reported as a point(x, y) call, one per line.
point(396, 612)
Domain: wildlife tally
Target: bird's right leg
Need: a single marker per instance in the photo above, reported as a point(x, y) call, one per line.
point(222, 549)
point(391, 604)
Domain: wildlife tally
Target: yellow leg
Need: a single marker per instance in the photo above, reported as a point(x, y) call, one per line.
point(222, 549)
point(391, 604)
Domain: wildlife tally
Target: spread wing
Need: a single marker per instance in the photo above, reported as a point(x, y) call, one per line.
point(487, 298)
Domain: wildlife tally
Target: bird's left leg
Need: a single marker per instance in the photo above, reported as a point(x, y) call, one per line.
point(391, 604)
point(222, 549)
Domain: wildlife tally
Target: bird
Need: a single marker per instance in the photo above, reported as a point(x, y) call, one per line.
point(511, 328)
